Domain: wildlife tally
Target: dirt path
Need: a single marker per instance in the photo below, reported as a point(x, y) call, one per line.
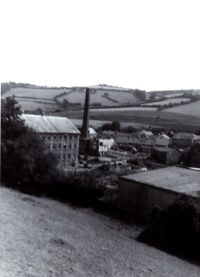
point(41, 237)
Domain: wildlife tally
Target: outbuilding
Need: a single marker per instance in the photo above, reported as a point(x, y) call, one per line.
point(139, 193)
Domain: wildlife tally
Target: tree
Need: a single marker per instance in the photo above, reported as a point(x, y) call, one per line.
point(23, 156)
point(11, 124)
point(193, 156)
point(114, 126)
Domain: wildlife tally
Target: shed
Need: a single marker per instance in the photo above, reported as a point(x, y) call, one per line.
point(140, 192)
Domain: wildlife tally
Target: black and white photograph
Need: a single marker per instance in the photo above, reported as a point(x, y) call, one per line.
point(100, 138)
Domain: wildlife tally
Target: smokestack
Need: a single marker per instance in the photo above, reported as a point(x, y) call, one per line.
point(85, 126)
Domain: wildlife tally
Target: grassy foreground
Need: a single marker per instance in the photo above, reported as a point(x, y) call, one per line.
point(41, 237)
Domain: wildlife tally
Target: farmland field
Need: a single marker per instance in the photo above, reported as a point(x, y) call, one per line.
point(188, 109)
point(143, 116)
point(168, 101)
point(34, 105)
point(103, 97)
point(75, 95)
point(33, 92)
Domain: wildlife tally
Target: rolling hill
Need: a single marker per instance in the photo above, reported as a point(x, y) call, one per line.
point(179, 109)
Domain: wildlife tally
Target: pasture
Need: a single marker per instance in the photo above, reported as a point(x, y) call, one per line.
point(41, 97)
point(103, 97)
point(179, 100)
point(33, 92)
point(143, 117)
point(188, 109)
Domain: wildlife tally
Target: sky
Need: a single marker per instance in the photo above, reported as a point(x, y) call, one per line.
point(144, 44)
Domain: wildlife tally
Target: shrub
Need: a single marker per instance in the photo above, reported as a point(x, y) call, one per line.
point(176, 229)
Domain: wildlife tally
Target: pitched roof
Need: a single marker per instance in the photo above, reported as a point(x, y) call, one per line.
point(92, 131)
point(164, 136)
point(181, 180)
point(49, 124)
point(184, 135)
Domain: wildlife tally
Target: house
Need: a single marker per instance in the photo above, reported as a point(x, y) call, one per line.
point(60, 137)
point(138, 138)
point(139, 193)
point(165, 155)
point(92, 133)
point(104, 145)
point(184, 139)
point(162, 140)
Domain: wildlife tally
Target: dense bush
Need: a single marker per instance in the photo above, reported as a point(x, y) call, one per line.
point(176, 229)
point(82, 188)
point(24, 161)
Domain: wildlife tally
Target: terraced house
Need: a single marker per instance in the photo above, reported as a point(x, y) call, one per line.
point(60, 136)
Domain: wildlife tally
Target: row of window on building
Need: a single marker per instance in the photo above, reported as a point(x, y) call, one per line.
point(60, 137)
point(65, 158)
point(59, 146)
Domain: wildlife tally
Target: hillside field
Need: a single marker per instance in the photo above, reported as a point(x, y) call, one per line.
point(145, 116)
point(42, 237)
point(99, 96)
point(189, 109)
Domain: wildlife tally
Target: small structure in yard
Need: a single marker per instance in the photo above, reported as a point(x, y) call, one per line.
point(139, 193)
point(60, 137)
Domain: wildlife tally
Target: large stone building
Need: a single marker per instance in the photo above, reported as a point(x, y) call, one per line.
point(60, 136)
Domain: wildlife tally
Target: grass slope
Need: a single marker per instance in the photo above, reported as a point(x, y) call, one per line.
point(41, 237)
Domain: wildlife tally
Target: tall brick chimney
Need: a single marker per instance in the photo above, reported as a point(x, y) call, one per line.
point(85, 125)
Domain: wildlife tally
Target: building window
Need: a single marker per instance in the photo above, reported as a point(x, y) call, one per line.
point(64, 147)
point(69, 156)
point(54, 146)
point(70, 145)
point(59, 145)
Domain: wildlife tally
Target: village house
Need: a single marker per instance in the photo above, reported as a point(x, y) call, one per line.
point(184, 139)
point(92, 133)
point(162, 140)
point(104, 145)
point(60, 137)
point(165, 155)
point(141, 138)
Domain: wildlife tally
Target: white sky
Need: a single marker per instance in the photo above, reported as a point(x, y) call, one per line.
point(152, 44)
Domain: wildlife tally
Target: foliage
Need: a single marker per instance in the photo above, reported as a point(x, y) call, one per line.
point(114, 126)
point(23, 156)
point(192, 157)
point(176, 229)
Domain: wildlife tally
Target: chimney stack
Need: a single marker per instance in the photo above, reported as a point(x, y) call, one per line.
point(85, 125)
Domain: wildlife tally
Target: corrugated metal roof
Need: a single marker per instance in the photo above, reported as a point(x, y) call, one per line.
point(49, 124)
point(171, 178)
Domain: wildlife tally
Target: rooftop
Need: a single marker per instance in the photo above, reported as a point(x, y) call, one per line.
point(49, 124)
point(180, 180)
point(185, 135)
